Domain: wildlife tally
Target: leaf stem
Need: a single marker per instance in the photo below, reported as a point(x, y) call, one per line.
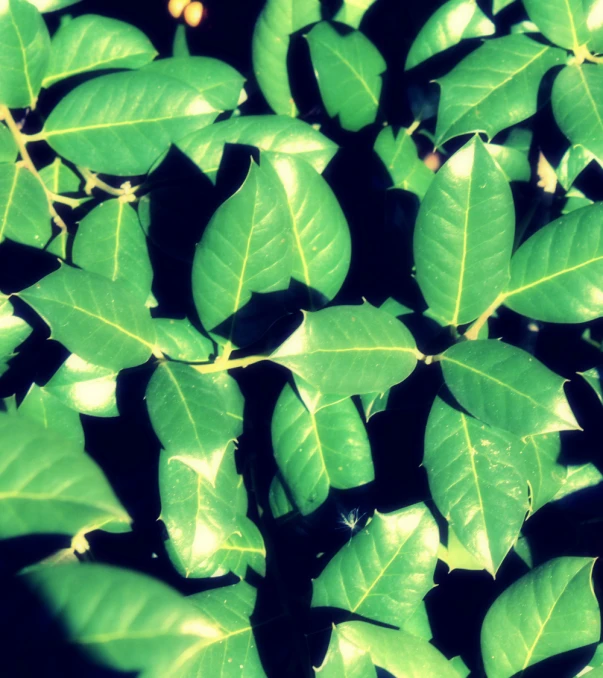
point(125, 191)
point(222, 365)
point(21, 141)
point(473, 331)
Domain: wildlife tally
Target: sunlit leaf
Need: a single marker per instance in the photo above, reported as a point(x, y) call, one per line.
point(181, 341)
point(58, 178)
point(563, 22)
point(575, 160)
point(8, 147)
point(13, 331)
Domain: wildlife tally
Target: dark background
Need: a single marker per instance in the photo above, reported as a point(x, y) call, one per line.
point(381, 222)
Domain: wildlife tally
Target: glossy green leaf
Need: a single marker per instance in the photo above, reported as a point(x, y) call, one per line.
point(579, 477)
point(506, 387)
point(194, 414)
point(575, 200)
point(396, 554)
point(58, 178)
point(25, 50)
point(464, 235)
point(474, 482)
point(13, 331)
point(94, 43)
point(575, 160)
point(321, 236)
point(44, 408)
point(540, 462)
point(93, 317)
point(476, 94)
point(314, 400)
point(593, 378)
point(499, 5)
point(577, 104)
point(242, 550)
point(279, 499)
point(220, 84)
point(242, 265)
point(454, 21)
point(352, 12)
point(348, 69)
point(180, 46)
point(85, 387)
point(24, 215)
point(48, 485)
point(348, 350)
point(373, 403)
point(513, 163)
point(400, 156)
point(124, 619)
point(235, 655)
point(456, 556)
point(110, 241)
point(557, 274)
point(8, 147)
point(122, 123)
point(268, 133)
point(550, 610)
point(594, 23)
point(345, 660)
point(270, 47)
point(563, 22)
point(181, 341)
point(520, 138)
point(316, 451)
point(53, 5)
point(401, 654)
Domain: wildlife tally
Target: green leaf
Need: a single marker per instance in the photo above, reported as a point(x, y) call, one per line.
point(506, 387)
point(593, 378)
point(314, 400)
point(373, 403)
point(580, 477)
point(126, 620)
point(242, 265)
point(110, 241)
point(24, 215)
point(396, 554)
point(235, 654)
point(268, 133)
point(278, 499)
point(464, 235)
point(345, 660)
point(520, 139)
point(499, 5)
point(321, 236)
point(8, 147)
point(401, 654)
point(476, 93)
point(25, 50)
point(348, 350)
point(316, 451)
point(123, 123)
point(93, 317)
point(180, 46)
point(85, 387)
point(52, 5)
point(400, 156)
point(474, 482)
point(42, 407)
point(94, 43)
point(194, 414)
point(563, 22)
point(454, 21)
point(352, 12)
point(270, 47)
point(575, 160)
point(456, 556)
point(48, 485)
point(575, 200)
point(594, 23)
point(243, 549)
point(218, 83)
point(13, 331)
point(348, 69)
point(576, 98)
point(557, 274)
point(514, 164)
point(58, 178)
point(181, 341)
point(545, 475)
point(550, 610)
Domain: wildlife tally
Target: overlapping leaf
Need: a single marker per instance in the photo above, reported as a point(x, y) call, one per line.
point(93, 317)
point(464, 235)
point(348, 69)
point(13, 331)
point(349, 350)
point(514, 164)
point(8, 147)
point(550, 610)
point(563, 22)
point(94, 43)
point(594, 23)
point(396, 554)
point(268, 133)
point(545, 475)
point(475, 482)
point(557, 274)
point(506, 387)
point(181, 341)
point(352, 12)
point(316, 451)
point(454, 21)
point(574, 161)
point(123, 123)
point(58, 178)
point(494, 87)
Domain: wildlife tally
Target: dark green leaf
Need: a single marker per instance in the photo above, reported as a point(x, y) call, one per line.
point(507, 387)
point(278, 498)
point(561, 21)
point(95, 43)
point(513, 163)
point(348, 350)
point(181, 341)
point(454, 21)
point(550, 610)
